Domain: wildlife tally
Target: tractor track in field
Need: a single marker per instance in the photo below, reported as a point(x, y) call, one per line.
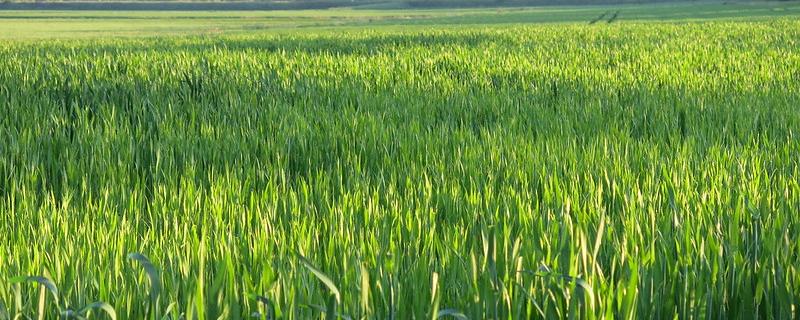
point(611, 17)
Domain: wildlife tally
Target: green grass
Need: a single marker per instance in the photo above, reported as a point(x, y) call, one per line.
point(638, 169)
point(93, 24)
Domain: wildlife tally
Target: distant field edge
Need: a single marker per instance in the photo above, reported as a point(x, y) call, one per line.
point(178, 5)
point(305, 4)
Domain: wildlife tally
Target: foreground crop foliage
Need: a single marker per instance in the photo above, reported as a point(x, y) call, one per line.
point(618, 171)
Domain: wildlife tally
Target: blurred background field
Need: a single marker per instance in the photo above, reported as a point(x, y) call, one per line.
point(38, 24)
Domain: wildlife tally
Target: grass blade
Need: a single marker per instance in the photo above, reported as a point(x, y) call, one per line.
point(452, 313)
point(322, 277)
point(102, 306)
point(152, 274)
point(46, 285)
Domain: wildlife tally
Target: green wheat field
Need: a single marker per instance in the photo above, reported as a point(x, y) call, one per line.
point(402, 164)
